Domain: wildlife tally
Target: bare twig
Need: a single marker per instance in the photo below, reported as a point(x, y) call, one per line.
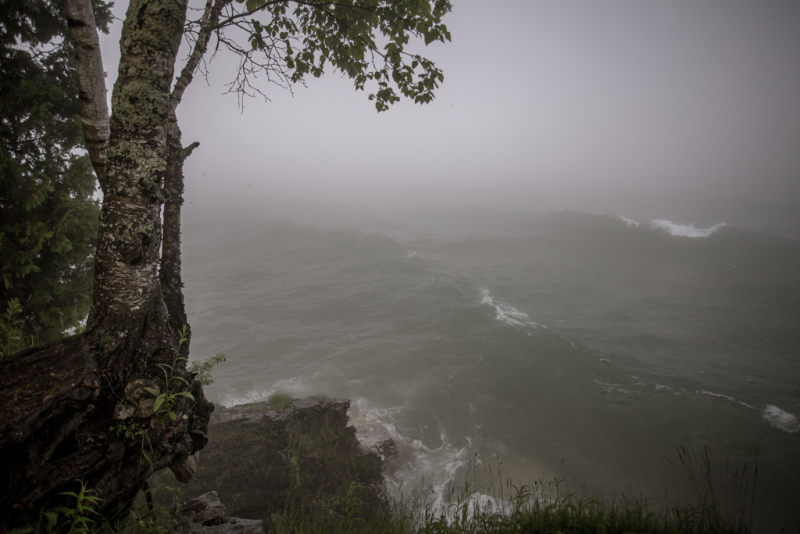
point(209, 21)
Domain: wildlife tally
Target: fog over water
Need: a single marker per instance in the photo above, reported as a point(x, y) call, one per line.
point(582, 255)
point(579, 346)
point(680, 110)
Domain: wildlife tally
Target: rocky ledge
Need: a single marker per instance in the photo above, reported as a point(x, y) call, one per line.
point(262, 457)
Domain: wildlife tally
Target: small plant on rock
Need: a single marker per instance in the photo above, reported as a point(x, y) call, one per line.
point(132, 430)
point(165, 402)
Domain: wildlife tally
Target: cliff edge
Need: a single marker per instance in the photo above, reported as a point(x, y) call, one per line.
point(263, 457)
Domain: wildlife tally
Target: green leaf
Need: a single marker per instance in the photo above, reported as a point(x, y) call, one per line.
point(173, 416)
point(185, 394)
point(252, 5)
point(152, 390)
point(52, 518)
point(159, 401)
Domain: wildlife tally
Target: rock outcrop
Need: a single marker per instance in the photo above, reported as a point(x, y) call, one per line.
point(262, 457)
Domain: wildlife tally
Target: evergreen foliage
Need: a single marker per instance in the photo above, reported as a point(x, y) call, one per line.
point(48, 216)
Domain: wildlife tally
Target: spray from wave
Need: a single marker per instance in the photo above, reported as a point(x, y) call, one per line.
point(417, 466)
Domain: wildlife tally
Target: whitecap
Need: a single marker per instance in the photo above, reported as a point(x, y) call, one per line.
point(720, 395)
point(296, 387)
point(780, 419)
point(507, 314)
point(726, 397)
point(628, 222)
point(611, 387)
point(684, 230)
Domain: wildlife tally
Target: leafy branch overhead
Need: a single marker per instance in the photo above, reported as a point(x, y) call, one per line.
point(368, 40)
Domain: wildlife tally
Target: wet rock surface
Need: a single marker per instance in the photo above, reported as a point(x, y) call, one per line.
point(374, 438)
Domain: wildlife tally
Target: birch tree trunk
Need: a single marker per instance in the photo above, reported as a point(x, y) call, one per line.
point(127, 299)
point(58, 403)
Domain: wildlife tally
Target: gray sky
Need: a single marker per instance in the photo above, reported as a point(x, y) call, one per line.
point(681, 109)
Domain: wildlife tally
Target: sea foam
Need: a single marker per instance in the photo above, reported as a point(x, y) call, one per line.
point(507, 314)
point(780, 419)
point(685, 230)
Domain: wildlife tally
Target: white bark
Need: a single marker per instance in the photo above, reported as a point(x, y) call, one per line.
point(91, 82)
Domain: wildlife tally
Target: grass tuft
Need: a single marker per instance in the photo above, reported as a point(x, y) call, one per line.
point(718, 501)
point(279, 401)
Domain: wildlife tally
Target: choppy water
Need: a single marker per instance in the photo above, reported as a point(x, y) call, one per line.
point(584, 347)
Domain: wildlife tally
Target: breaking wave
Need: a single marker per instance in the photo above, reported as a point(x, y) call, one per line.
point(628, 222)
point(685, 230)
point(675, 229)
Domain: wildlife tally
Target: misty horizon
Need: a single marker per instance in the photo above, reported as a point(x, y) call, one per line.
point(681, 110)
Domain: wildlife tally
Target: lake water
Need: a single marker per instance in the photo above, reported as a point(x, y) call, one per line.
point(577, 346)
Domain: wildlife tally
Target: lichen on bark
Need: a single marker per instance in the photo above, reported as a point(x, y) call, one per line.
point(51, 392)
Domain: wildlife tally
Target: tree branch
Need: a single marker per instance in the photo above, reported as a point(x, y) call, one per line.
point(186, 152)
point(91, 82)
point(208, 22)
